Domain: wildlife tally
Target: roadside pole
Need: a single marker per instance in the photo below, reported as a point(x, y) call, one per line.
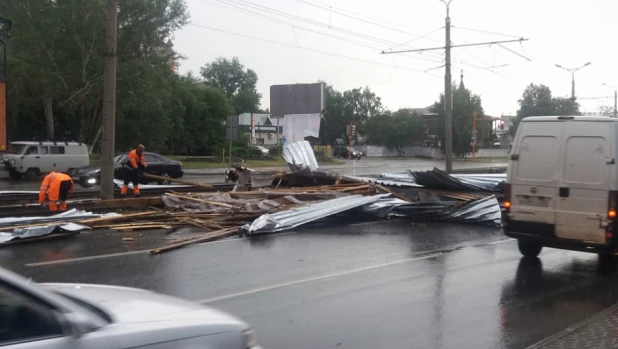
point(108, 141)
point(474, 137)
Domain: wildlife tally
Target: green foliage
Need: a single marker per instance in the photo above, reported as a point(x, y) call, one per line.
point(355, 106)
point(56, 65)
point(538, 101)
point(274, 151)
point(238, 84)
point(399, 129)
point(464, 106)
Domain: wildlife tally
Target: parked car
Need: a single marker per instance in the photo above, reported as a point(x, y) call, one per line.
point(158, 165)
point(262, 149)
point(342, 152)
point(33, 159)
point(562, 185)
point(59, 316)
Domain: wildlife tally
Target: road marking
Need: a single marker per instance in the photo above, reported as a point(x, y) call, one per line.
point(499, 241)
point(422, 256)
point(364, 223)
point(79, 259)
point(119, 254)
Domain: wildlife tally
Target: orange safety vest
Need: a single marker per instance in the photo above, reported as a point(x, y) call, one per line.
point(134, 159)
point(51, 186)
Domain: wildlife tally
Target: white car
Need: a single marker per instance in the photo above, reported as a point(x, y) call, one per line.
point(59, 316)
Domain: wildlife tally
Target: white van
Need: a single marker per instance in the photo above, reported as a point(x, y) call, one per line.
point(562, 184)
point(33, 159)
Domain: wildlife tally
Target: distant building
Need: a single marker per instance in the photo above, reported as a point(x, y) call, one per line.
point(171, 54)
point(266, 131)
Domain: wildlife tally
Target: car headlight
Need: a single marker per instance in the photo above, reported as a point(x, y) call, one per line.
point(249, 338)
point(12, 161)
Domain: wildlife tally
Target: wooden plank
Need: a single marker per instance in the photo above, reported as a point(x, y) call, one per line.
point(216, 203)
point(401, 197)
point(176, 180)
point(215, 235)
point(116, 218)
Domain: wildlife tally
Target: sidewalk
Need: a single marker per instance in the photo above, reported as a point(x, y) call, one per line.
point(599, 332)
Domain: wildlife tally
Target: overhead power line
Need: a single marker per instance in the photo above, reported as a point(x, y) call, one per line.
point(308, 49)
point(362, 15)
point(485, 31)
point(375, 23)
point(313, 22)
point(415, 39)
point(295, 26)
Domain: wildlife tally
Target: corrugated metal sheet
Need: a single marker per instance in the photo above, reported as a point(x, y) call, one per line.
point(299, 155)
point(270, 223)
point(385, 182)
point(438, 179)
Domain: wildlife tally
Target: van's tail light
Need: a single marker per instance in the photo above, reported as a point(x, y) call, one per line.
point(612, 205)
point(507, 196)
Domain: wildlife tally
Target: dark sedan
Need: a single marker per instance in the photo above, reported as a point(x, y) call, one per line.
point(158, 165)
point(347, 152)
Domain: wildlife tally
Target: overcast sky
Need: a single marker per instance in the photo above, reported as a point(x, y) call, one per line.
point(566, 32)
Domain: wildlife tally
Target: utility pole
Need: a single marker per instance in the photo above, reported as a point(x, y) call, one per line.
point(573, 71)
point(108, 141)
point(5, 29)
point(615, 99)
point(448, 97)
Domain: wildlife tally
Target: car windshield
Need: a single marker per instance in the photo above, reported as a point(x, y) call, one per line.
point(15, 149)
point(119, 158)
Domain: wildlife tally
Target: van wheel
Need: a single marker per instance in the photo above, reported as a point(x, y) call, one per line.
point(529, 248)
point(32, 174)
point(165, 182)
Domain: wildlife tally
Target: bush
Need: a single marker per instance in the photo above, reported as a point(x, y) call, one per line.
point(274, 151)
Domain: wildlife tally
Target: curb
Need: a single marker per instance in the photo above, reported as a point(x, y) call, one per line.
point(573, 328)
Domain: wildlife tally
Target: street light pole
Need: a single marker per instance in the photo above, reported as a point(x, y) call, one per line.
point(572, 71)
point(448, 98)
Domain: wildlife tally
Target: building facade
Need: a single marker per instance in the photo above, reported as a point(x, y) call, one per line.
point(262, 129)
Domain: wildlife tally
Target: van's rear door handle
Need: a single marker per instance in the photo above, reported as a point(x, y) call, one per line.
point(37, 157)
point(564, 192)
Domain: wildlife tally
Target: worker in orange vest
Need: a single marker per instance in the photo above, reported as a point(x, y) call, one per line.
point(134, 165)
point(54, 190)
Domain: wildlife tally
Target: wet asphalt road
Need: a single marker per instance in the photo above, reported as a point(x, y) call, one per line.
point(389, 284)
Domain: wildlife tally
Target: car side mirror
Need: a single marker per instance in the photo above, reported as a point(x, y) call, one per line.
point(77, 324)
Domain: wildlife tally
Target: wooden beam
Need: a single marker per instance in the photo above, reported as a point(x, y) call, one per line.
point(215, 235)
point(176, 180)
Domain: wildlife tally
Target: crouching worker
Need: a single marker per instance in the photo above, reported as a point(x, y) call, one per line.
point(132, 168)
point(54, 190)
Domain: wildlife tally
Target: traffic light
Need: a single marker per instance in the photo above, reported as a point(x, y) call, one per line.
point(353, 130)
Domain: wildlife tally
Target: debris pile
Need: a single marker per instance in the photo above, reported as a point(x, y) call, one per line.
point(268, 202)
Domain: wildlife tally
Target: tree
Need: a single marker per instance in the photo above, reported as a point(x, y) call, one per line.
point(238, 84)
point(56, 68)
point(606, 110)
point(538, 101)
point(199, 114)
point(464, 106)
point(354, 106)
point(399, 129)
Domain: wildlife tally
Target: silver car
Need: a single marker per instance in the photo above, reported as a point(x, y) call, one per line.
point(75, 316)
